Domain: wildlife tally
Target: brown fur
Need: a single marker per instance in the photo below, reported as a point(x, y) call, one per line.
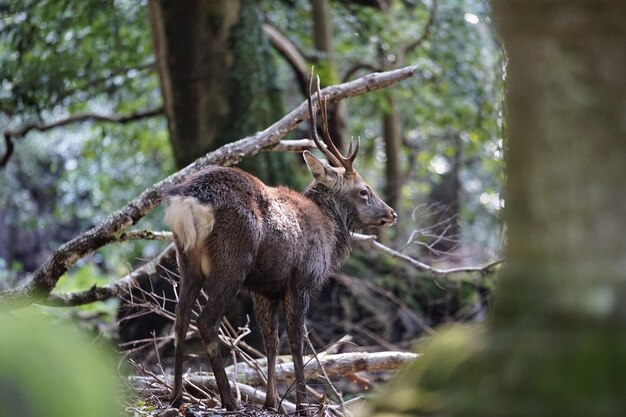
point(232, 231)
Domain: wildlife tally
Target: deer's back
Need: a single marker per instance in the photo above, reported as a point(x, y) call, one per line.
point(279, 236)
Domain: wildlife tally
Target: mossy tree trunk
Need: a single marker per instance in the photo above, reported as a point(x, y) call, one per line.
point(326, 65)
point(556, 344)
point(392, 133)
point(217, 78)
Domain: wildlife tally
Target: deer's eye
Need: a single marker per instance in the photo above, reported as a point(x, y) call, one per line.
point(364, 193)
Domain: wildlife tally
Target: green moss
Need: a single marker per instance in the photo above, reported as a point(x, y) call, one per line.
point(48, 369)
point(327, 72)
point(465, 373)
point(255, 98)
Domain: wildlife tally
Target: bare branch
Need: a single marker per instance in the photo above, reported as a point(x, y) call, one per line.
point(402, 53)
point(348, 280)
point(121, 286)
point(79, 118)
point(423, 37)
point(371, 241)
point(45, 277)
point(295, 145)
point(10, 135)
point(124, 284)
point(290, 52)
point(145, 235)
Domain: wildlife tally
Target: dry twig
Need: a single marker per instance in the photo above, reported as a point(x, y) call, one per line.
point(369, 240)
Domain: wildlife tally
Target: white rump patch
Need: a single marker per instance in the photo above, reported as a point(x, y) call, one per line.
point(190, 220)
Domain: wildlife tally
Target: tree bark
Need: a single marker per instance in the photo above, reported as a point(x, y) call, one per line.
point(556, 344)
point(326, 65)
point(322, 28)
point(216, 78)
point(392, 133)
point(192, 48)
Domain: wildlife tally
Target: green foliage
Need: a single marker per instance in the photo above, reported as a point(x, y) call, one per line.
point(48, 369)
point(455, 93)
point(61, 53)
point(62, 58)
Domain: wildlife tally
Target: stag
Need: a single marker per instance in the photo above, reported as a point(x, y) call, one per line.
point(231, 231)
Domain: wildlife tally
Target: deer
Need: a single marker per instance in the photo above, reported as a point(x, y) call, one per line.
point(231, 231)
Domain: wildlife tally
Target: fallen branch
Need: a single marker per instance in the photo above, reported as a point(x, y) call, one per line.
point(45, 277)
point(295, 145)
point(335, 365)
point(116, 288)
point(338, 364)
point(258, 396)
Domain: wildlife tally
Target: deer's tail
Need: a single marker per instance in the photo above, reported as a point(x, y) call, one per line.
point(190, 220)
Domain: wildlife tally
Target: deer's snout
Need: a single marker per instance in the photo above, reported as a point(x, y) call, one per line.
point(390, 217)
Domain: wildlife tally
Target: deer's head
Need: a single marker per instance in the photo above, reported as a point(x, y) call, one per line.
point(339, 175)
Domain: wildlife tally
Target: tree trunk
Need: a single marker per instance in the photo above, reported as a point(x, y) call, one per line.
point(556, 344)
point(392, 134)
point(194, 58)
point(566, 148)
point(326, 66)
point(322, 28)
point(217, 78)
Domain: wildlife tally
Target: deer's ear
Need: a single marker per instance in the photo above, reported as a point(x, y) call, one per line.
point(322, 172)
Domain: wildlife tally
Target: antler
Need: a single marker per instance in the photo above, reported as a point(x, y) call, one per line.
point(330, 150)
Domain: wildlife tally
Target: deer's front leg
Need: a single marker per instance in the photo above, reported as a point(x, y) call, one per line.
point(296, 304)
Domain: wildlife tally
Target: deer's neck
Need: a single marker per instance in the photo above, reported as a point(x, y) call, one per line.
point(342, 215)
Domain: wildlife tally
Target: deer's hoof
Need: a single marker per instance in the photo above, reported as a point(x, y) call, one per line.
point(270, 405)
point(176, 401)
point(170, 412)
point(302, 410)
point(231, 405)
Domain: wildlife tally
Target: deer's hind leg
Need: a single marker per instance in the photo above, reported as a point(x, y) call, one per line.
point(221, 288)
point(266, 309)
point(191, 281)
point(295, 304)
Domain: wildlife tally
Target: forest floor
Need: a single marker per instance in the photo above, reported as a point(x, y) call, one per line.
point(336, 382)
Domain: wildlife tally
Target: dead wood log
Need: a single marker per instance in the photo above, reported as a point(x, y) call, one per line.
point(335, 365)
